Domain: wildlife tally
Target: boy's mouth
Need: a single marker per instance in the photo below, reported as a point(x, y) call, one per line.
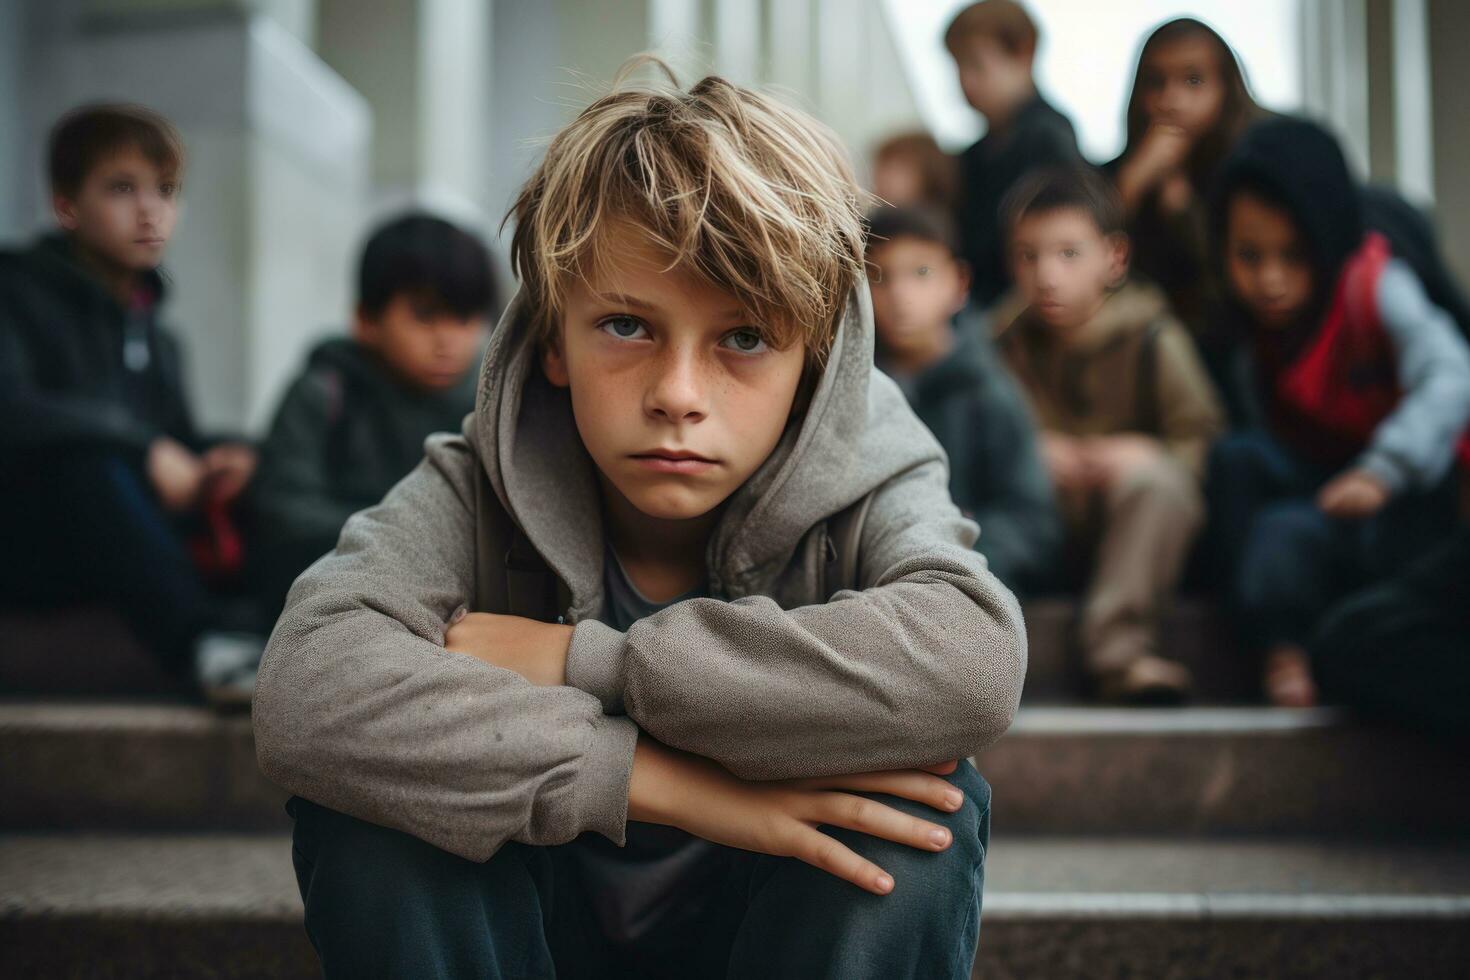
point(673, 461)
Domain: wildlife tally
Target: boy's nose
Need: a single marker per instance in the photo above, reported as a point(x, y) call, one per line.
point(676, 390)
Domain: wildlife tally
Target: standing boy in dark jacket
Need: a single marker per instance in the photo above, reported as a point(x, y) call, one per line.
point(994, 46)
point(939, 351)
point(354, 423)
point(104, 472)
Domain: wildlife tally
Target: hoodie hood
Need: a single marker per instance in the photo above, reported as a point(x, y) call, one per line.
point(1298, 165)
point(857, 433)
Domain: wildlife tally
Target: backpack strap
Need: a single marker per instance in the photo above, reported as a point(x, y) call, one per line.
point(511, 577)
point(844, 538)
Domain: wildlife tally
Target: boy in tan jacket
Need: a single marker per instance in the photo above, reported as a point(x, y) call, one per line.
point(1127, 414)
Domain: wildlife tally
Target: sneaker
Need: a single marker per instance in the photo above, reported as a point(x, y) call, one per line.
point(1148, 680)
point(225, 665)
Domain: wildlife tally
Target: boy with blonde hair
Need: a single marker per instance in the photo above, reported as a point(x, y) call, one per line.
point(702, 716)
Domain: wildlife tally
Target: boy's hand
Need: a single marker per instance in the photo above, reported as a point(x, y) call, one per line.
point(1162, 150)
point(1111, 458)
point(1353, 495)
point(227, 468)
point(1064, 460)
point(535, 650)
point(177, 474)
point(781, 817)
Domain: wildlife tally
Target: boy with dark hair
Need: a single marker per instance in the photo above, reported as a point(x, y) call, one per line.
point(354, 423)
point(1127, 414)
point(993, 44)
point(717, 590)
point(937, 347)
point(105, 475)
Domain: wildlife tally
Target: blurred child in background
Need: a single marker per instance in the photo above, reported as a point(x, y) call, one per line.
point(1188, 106)
point(1127, 416)
point(1363, 389)
point(994, 47)
point(939, 351)
point(109, 490)
point(354, 422)
point(911, 170)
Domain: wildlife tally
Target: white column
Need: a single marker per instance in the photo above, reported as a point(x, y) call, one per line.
point(1413, 109)
point(1335, 71)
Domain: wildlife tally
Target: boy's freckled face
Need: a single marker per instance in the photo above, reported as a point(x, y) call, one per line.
point(917, 287)
point(1064, 265)
point(1182, 85)
point(1267, 261)
point(677, 395)
point(124, 210)
point(427, 346)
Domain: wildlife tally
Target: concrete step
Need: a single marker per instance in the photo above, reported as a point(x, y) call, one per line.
point(1190, 771)
point(227, 906)
point(1096, 909)
point(1207, 771)
point(1192, 632)
point(144, 766)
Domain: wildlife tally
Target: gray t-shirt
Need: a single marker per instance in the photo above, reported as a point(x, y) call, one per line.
point(662, 875)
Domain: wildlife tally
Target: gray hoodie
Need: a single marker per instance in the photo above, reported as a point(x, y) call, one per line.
point(359, 707)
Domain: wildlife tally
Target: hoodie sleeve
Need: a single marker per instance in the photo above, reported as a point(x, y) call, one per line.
point(1413, 448)
point(358, 707)
point(1006, 488)
point(923, 665)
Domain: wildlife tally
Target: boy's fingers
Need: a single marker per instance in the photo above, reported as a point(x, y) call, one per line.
point(911, 784)
point(879, 820)
point(832, 856)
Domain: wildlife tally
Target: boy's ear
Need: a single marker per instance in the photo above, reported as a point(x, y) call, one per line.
point(364, 326)
point(553, 363)
point(65, 210)
point(1118, 260)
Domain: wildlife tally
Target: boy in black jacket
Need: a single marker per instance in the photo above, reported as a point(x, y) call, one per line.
point(993, 43)
point(105, 476)
point(354, 423)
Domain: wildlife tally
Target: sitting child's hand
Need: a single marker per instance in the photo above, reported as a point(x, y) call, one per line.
point(535, 650)
point(1064, 461)
point(1353, 495)
point(1110, 458)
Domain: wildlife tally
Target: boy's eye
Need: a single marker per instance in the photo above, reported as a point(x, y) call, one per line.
point(746, 341)
point(121, 186)
point(1194, 80)
point(1070, 253)
point(1248, 255)
point(167, 190)
point(622, 327)
point(922, 271)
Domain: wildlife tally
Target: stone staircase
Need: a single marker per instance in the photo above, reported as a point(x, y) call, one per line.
point(138, 839)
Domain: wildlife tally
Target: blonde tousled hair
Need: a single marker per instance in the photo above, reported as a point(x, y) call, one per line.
point(748, 194)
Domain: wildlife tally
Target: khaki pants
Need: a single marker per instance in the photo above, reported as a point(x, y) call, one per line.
point(1135, 536)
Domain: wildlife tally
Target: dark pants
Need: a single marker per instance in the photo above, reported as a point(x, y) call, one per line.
point(1401, 650)
point(1283, 562)
point(382, 903)
point(86, 526)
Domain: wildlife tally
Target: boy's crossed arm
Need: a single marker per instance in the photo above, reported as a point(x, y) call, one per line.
point(925, 665)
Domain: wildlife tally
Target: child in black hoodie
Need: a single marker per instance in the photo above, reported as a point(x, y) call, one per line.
point(354, 423)
point(109, 493)
point(1362, 391)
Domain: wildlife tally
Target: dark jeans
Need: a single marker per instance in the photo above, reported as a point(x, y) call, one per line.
point(1401, 650)
point(382, 903)
point(86, 526)
point(1283, 562)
